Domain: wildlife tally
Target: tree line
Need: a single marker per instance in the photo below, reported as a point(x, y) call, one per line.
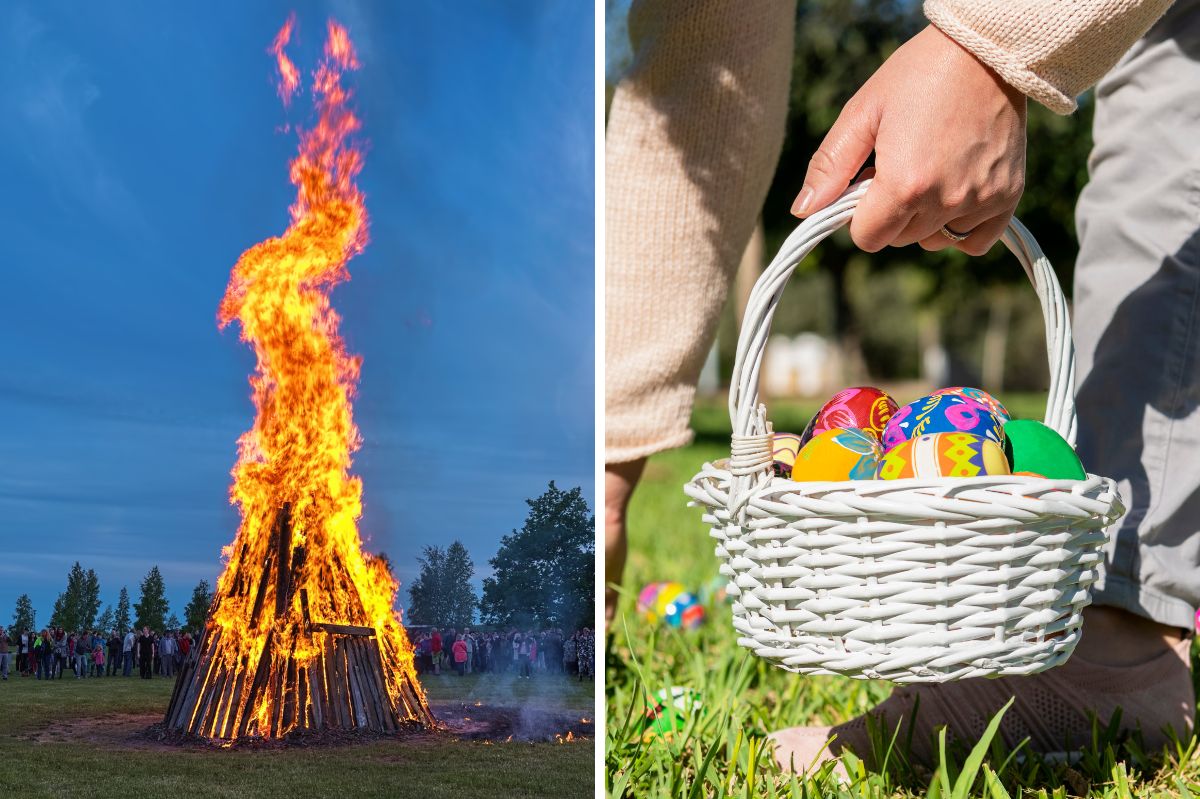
point(78, 607)
point(542, 575)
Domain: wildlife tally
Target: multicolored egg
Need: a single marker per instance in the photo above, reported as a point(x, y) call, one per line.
point(784, 448)
point(977, 395)
point(863, 407)
point(943, 413)
point(684, 611)
point(1033, 447)
point(647, 603)
point(838, 454)
point(944, 455)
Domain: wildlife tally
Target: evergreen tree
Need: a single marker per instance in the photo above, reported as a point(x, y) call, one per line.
point(24, 617)
point(123, 611)
point(71, 608)
point(107, 621)
point(89, 604)
point(427, 595)
point(196, 611)
point(543, 574)
point(153, 608)
point(173, 623)
point(461, 600)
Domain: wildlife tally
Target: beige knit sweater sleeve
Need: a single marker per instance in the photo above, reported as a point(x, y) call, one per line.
point(1051, 50)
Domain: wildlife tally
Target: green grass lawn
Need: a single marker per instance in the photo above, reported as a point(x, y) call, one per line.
point(723, 751)
point(45, 751)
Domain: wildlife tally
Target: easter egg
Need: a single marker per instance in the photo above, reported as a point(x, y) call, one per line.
point(977, 395)
point(943, 455)
point(1033, 447)
point(684, 611)
point(655, 596)
point(942, 413)
point(838, 454)
point(784, 447)
point(669, 710)
point(863, 407)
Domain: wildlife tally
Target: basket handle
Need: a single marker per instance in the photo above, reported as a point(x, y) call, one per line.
point(750, 432)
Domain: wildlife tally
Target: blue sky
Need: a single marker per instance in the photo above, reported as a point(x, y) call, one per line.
point(142, 150)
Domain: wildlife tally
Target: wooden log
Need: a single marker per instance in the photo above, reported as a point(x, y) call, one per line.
point(256, 611)
point(204, 671)
point(339, 691)
point(303, 700)
point(235, 703)
point(360, 711)
point(304, 607)
point(221, 708)
point(372, 706)
point(376, 661)
point(290, 694)
point(206, 699)
point(259, 684)
point(343, 629)
point(283, 543)
point(204, 652)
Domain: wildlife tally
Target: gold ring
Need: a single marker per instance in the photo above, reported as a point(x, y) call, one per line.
point(953, 235)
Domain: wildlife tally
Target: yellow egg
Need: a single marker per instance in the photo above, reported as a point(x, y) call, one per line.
point(944, 455)
point(838, 454)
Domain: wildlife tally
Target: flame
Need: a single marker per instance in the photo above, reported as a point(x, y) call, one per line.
point(298, 453)
point(565, 739)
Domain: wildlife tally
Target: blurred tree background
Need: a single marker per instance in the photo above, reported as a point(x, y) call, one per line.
point(884, 309)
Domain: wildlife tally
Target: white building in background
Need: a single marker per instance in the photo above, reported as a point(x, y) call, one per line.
point(806, 365)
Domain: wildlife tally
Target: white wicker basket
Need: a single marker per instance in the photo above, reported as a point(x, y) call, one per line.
point(914, 580)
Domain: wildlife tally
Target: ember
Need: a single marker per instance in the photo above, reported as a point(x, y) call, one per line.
point(303, 623)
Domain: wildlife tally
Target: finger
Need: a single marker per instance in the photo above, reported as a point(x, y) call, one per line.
point(980, 240)
point(880, 216)
point(841, 154)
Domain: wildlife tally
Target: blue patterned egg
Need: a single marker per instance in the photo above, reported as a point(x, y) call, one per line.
point(943, 413)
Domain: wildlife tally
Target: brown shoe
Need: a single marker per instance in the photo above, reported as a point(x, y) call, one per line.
point(1051, 709)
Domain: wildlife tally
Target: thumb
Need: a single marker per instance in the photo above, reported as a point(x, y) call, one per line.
point(838, 159)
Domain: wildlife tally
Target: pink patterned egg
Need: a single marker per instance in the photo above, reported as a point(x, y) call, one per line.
point(980, 396)
point(864, 408)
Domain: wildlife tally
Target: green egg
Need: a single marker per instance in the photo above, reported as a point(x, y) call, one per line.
point(1032, 447)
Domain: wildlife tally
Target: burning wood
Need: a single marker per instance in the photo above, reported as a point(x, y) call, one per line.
point(302, 634)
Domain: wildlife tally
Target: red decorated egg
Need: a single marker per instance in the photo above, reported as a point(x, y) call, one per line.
point(943, 413)
point(863, 407)
point(838, 455)
point(943, 455)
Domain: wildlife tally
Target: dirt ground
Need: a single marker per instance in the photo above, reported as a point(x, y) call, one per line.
point(465, 721)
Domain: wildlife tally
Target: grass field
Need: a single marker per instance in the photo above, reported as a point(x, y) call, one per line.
point(72, 738)
point(723, 751)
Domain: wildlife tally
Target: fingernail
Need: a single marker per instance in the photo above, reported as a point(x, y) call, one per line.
point(803, 200)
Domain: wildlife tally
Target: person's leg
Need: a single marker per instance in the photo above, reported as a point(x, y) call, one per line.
point(1137, 332)
point(1137, 325)
point(694, 133)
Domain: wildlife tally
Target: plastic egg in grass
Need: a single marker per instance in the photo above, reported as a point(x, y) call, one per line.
point(647, 603)
point(838, 454)
point(944, 455)
point(863, 407)
point(681, 610)
point(943, 413)
point(669, 711)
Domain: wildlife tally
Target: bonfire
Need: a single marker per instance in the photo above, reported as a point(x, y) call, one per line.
point(302, 634)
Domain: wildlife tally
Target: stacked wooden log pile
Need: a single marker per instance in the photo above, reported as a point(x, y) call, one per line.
point(221, 694)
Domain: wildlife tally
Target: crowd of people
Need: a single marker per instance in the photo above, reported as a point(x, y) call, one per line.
point(55, 652)
point(517, 652)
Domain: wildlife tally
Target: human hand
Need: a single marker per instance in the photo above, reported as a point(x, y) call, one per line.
point(949, 142)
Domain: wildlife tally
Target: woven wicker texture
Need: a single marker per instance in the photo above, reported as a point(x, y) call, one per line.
point(916, 580)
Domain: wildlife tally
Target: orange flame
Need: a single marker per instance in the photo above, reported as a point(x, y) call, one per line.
point(299, 450)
